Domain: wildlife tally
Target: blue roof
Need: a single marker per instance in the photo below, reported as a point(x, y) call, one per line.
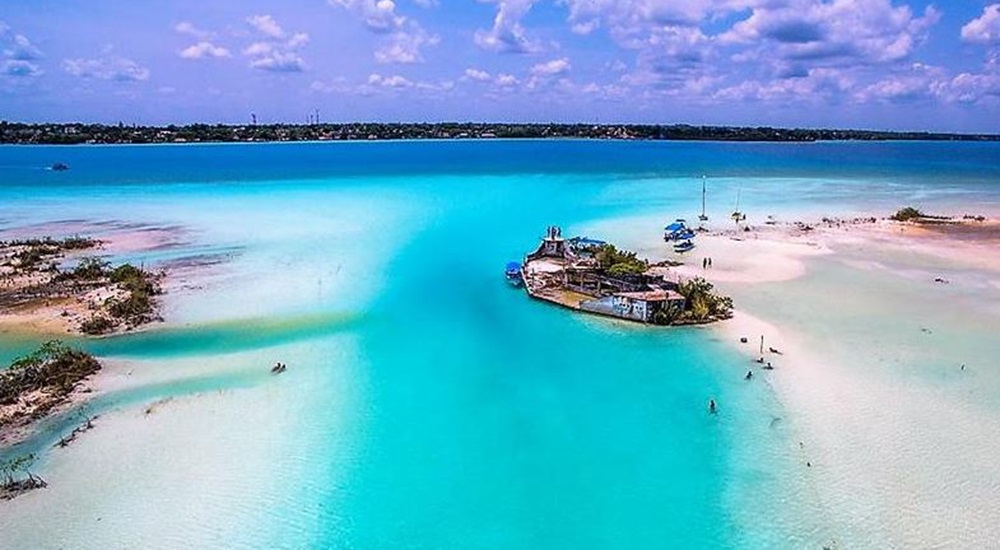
point(587, 241)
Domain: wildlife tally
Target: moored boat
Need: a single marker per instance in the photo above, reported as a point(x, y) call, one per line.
point(683, 246)
point(513, 274)
point(678, 231)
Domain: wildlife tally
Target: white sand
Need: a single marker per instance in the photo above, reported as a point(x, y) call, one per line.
point(899, 459)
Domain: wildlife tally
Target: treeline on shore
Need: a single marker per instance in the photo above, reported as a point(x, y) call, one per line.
point(75, 133)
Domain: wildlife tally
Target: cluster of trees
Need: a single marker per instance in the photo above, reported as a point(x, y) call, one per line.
point(907, 214)
point(703, 304)
point(51, 372)
point(54, 368)
point(12, 132)
point(136, 307)
point(619, 263)
point(30, 253)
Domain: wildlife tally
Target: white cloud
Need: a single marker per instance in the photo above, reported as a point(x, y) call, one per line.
point(835, 33)
point(476, 74)
point(20, 67)
point(818, 87)
point(17, 51)
point(552, 68)
point(267, 26)
point(297, 40)
point(394, 81)
point(630, 21)
point(279, 62)
point(404, 46)
point(377, 15)
point(22, 49)
point(969, 88)
point(335, 86)
point(917, 82)
point(984, 29)
point(110, 67)
point(203, 50)
point(507, 35)
point(507, 80)
point(275, 51)
point(189, 28)
point(406, 37)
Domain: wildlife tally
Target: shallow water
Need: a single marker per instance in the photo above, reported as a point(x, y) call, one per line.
point(427, 404)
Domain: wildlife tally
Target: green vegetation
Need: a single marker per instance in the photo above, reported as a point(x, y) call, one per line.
point(703, 303)
point(53, 368)
point(135, 308)
point(907, 214)
point(89, 269)
point(29, 254)
point(97, 324)
point(14, 132)
point(132, 304)
point(619, 263)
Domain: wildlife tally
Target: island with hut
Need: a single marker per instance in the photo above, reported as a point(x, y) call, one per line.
point(596, 277)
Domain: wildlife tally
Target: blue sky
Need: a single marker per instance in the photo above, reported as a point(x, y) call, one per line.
point(827, 63)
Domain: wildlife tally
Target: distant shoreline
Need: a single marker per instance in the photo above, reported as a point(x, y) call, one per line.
point(100, 134)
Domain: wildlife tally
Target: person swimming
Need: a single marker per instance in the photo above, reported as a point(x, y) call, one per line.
point(749, 375)
point(711, 406)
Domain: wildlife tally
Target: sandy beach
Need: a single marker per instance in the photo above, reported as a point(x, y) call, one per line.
point(898, 460)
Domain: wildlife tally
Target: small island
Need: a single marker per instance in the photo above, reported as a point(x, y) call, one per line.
point(32, 387)
point(52, 283)
point(596, 277)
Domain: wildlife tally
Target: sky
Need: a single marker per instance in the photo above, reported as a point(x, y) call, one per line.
point(876, 64)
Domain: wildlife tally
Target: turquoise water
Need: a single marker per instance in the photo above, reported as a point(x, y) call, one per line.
point(428, 405)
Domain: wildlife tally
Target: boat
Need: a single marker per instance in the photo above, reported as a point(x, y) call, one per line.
point(703, 217)
point(683, 246)
point(677, 231)
point(737, 215)
point(59, 167)
point(513, 274)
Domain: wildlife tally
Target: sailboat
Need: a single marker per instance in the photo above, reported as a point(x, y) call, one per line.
point(737, 215)
point(703, 217)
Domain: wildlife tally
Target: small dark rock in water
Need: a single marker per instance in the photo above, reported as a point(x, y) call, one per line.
point(60, 167)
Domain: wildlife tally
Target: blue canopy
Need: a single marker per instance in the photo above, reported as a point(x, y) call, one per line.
point(513, 266)
point(674, 227)
point(587, 241)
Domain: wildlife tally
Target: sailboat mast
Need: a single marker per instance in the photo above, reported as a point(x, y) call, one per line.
point(703, 197)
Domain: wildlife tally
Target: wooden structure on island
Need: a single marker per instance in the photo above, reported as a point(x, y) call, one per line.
point(564, 272)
